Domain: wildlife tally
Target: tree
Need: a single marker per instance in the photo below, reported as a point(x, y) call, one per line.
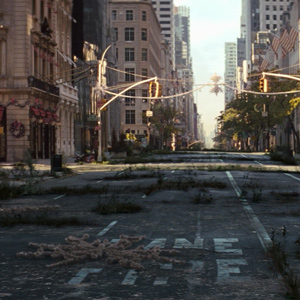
point(163, 121)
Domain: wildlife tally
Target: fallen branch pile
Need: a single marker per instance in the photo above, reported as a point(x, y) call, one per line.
point(78, 249)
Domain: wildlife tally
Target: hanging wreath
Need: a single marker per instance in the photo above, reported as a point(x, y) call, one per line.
point(17, 129)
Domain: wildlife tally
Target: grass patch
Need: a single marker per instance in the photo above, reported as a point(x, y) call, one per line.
point(289, 276)
point(12, 220)
point(286, 196)
point(183, 185)
point(8, 191)
point(113, 206)
point(79, 191)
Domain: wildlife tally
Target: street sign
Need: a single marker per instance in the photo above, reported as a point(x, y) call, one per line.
point(93, 118)
point(149, 113)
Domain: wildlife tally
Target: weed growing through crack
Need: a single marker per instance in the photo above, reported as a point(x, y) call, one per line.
point(256, 195)
point(289, 276)
point(112, 206)
point(202, 198)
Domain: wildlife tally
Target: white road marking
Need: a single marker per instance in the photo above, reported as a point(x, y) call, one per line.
point(294, 177)
point(184, 243)
point(99, 181)
point(130, 278)
point(197, 265)
point(156, 242)
point(260, 230)
point(221, 160)
point(107, 228)
point(59, 197)
point(82, 274)
point(222, 245)
point(161, 281)
point(257, 162)
point(227, 267)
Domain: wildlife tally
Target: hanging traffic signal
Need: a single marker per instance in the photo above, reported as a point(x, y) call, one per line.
point(261, 84)
point(153, 89)
point(159, 90)
point(266, 85)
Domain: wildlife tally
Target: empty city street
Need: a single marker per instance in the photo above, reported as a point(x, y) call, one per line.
point(202, 231)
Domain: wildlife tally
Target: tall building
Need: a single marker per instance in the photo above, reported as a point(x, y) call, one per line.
point(184, 68)
point(138, 51)
point(165, 15)
point(37, 98)
point(270, 14)
point(230, 70)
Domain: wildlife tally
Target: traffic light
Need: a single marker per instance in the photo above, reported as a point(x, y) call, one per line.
point(266, 85)
point(153, 89)
point(159, 90)
point(261, 84)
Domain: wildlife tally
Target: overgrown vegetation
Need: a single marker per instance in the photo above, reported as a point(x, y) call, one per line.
point(87, 189)
point(112, 206)
point(290, 278)
point(44, 220)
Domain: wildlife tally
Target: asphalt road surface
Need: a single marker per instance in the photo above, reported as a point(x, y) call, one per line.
point(211, 227)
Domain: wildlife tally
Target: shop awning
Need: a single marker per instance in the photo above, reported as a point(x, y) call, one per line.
point(42, 113)
point(35, 111)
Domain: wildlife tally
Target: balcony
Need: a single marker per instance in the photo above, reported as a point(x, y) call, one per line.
point(42, 85)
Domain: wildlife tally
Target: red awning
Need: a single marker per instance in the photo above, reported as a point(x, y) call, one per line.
point(35, 111)
point(42, 113)
point(49, 115)
point(55, 117)
point(2, 109)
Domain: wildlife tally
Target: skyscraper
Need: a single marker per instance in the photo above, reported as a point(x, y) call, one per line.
point(230, 70)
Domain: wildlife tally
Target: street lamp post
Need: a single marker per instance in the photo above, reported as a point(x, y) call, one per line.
point(99, 88)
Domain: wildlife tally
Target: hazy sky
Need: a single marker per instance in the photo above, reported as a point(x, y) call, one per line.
point(212, 24)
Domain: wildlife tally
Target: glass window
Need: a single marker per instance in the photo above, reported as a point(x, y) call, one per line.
point(144, 34)
point(144, 73)
point(129, 15)
point(114, 15)
point(129, 74)
point(130, 101)
point(144, 15)
point(130, 116)
point(129, 54)
point(144, 54)
point(129, 34)
point(115, 34)
point(144, 118)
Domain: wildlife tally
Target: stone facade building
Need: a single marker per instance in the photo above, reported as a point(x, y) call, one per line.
point(37, 99)
point(137, 35)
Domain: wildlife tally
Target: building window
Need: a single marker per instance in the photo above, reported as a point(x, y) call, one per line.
point(115, 34)
point(2, 57)
point(129, 15)
point(114, 15)
point(268, 26)
point(145, 94)
point(274, 27)
point(165, 16)
point(144, 118)
point(129, 54)
point(129, 74)
point(117, 53)
point(144, 54)
point(130, 116)
point(33, 10)
point(267, 17)
point(267, 7)
point(274, 7)
point(130, 101)
point(129, 34)
point(164, 9)
point(274, 17)
point(164, 2)
point(144, 15)
point(144, 74)
point(144, 34)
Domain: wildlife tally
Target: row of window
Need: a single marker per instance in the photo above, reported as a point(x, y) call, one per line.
point(130, 118)
point(130, 54)
point(274, 17)
point(129, 35)
point(130, 76)
point(279, 0)
point(274, 7)
point(129, 15)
